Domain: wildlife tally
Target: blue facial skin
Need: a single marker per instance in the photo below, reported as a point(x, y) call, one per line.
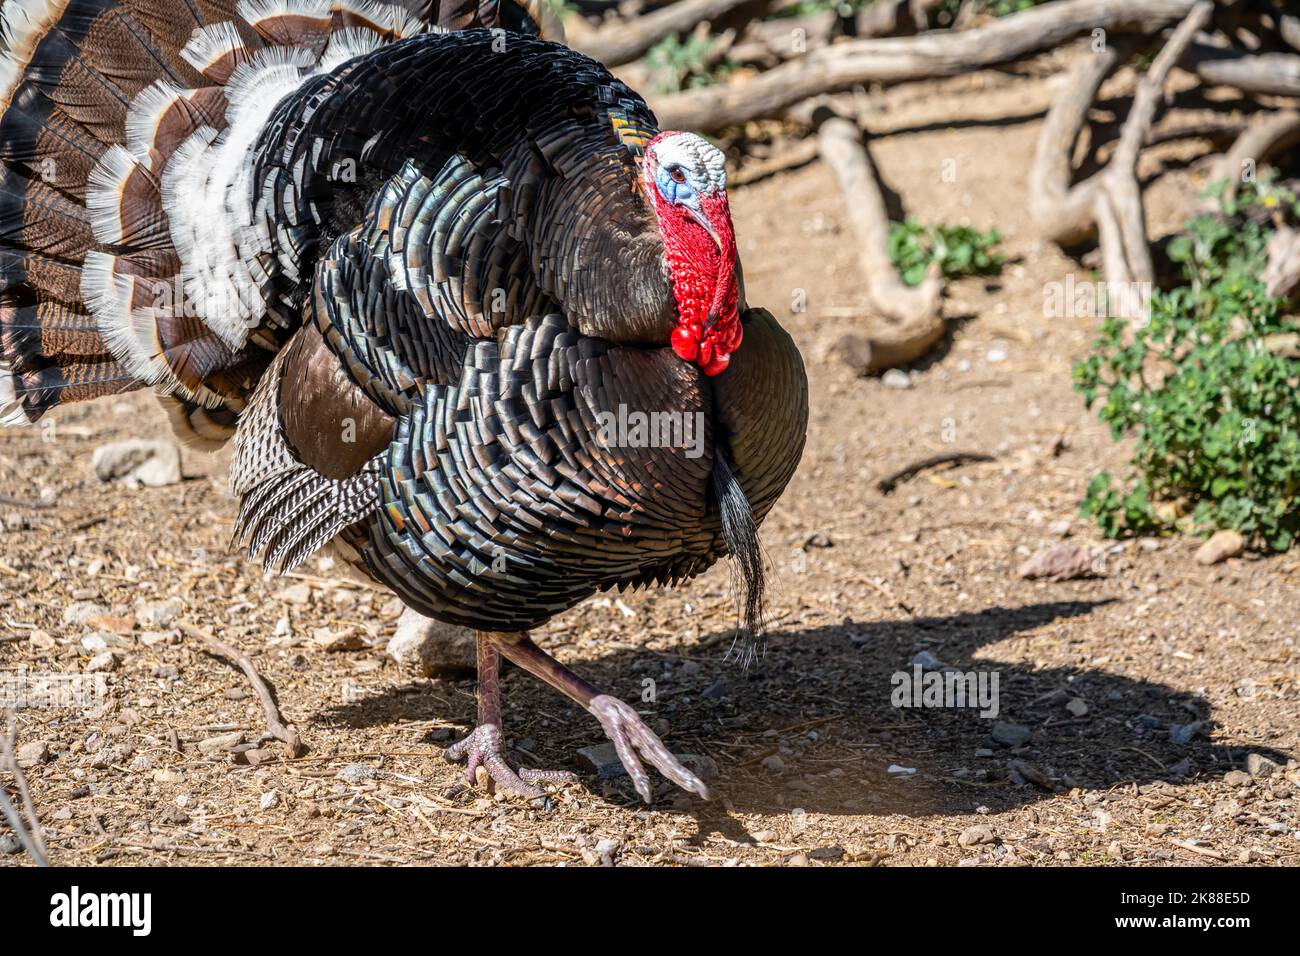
point(679, 194)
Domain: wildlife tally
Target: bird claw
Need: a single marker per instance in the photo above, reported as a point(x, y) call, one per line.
point(482, 748)
point(624, 727)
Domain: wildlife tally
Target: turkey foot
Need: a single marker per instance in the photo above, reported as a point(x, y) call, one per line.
point(630, 735)
point(482, 748)
point(632, 739)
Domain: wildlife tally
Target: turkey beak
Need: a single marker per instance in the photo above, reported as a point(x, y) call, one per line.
point(703, 220)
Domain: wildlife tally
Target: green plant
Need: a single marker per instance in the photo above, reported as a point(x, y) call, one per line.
point(958, 250)
point(946, 12)
point(1212, 403)
point(682, 63)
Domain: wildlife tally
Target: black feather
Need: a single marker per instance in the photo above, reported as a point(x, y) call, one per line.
point(741, 534)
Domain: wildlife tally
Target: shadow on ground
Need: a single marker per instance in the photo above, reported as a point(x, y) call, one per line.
point(820, 700)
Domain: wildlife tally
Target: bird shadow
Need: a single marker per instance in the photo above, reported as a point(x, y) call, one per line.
point(814, 727)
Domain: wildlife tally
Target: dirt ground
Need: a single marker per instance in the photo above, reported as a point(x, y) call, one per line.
point(1130, 703)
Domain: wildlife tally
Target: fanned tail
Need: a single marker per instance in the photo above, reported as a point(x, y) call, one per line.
point(125, 128)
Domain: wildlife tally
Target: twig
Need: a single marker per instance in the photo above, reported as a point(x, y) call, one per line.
point(34, 841)
point(623, 41)
point(274, 722)
point(888, 484)
point(26, 502)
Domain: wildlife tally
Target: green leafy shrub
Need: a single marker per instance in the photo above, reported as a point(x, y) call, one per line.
point(959, 250)
point(1211, 401)
point(682, 63)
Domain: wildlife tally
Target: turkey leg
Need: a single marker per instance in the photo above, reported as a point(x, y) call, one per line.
point(632, 739)
point(483, 747)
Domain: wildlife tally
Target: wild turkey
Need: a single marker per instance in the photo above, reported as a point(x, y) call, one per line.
point(456, 299)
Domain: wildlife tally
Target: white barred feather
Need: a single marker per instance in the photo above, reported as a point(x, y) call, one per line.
point(23, 23)
point(209, 44)
point(104, 194)
point(11, 407)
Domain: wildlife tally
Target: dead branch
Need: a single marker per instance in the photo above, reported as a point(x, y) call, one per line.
point(1282, 274)
point(274, 722)
point(33, 841)
point(1269, 134)
point(1272, 74)
point(940, 53)
point(623, 41)
point(915, 325)
point(1109, 201)
point(887, 485)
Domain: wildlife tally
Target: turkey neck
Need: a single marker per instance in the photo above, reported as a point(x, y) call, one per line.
point(571, 195)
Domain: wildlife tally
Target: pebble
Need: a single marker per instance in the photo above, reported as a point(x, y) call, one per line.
point(1062, 562)
point(977, 835)
point(1077, 706)
point(106, 661)
point(80, 612)
point(221, 742)
point(774, 763)
point(927, 661)
point(357, 773)
point(31, 754)
point(1237, 778)
point(9, 844)
point(299, 594)
point(1257, 765)
point(1009, 734)
point(897, 769)
point(896, 378)
point(155, 464)
point(159, 614)
point(1223, 545)
point(269, 801)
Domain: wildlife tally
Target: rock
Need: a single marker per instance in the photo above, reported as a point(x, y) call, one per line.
point(1237, 778)
point(426, 647)
point(1010, 735)
point(977, 835)
point(152, 638)
point(773, 763)
point(212, 745)
point(299, 594)
point(152, 463)
point(1060, 529)
point(159, 614)
point(1184, 734)
point(927, 661)
point(357, 773)
point(1257, 765)
point(897, 769)
point(106, 661)
point(1062, 562)
point(818, 539)
point(1077, 706)
point(9, 845)
point(80, 612)
point(331, 640)
point(120, 626)
point(827, 853)
point(896, 378)
point(608, 847)
point(1223, 545)
point(32, 754)
point(269, 801)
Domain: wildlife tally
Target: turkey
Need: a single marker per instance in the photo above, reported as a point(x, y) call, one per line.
point(470, 319)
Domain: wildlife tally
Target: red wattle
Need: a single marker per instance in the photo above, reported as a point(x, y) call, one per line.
point(719, 364)
point(684, 344)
